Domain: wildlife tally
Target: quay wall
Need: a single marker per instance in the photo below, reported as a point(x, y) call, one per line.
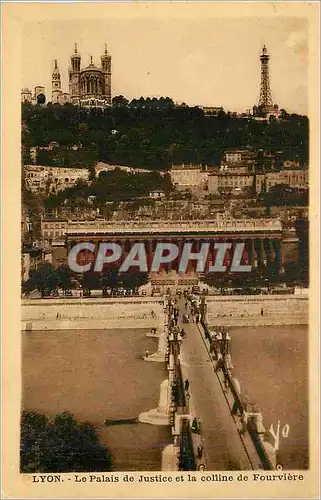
point(94, 314)
point(258, 310)
point(41, 314)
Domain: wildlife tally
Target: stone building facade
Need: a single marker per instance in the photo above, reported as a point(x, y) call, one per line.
point(187, 175)
point(50, 180)
point(298, 178)
point(90, 86)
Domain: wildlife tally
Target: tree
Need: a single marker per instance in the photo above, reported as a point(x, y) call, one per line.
point(44, 279)
point(64, 278)
point(134, 280)
point(155, 133)
point(60, 445)
point(119, 100)
point(90, 281)
point(216, 280)
point(25, 155)
point(109, 279)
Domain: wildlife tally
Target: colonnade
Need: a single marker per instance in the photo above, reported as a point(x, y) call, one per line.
point(258, 252)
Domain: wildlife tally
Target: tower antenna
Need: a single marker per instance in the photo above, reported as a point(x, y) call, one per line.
point(265, 100)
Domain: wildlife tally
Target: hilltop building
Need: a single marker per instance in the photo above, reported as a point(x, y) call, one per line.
point(89, 87)
point(37, 97)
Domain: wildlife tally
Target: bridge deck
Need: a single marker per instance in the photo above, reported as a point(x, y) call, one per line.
point(223, 447)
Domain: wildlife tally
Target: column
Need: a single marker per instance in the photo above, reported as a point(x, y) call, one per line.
point(169, 264)
point(149, 253)
point(176, 262)
point(193, 262)
point(276, 244)
point(211, 254)
point(122, 259)
point(180, 244)
point(268, 251)
point(231, 254)
point(208, 258)
point(198, 244)
point(227, 258)
point(259, 252)
point(254, 254)
point(92, 256)
point(249, 252)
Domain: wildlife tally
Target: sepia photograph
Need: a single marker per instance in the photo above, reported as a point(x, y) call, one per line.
point(165, 263)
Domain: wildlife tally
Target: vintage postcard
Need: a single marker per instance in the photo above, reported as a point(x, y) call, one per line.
point(160, 168)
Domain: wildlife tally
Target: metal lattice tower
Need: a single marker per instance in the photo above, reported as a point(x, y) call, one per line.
point(265, 100)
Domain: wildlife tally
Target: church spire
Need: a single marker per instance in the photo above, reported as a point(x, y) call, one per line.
point(55, 72)
point(55, 83)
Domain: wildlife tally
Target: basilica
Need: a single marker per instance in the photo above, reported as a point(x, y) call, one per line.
point(89, 87)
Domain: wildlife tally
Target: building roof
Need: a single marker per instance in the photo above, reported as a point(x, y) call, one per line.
point(91, 67)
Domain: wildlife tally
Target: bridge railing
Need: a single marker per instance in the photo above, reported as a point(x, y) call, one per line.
point(186, 455)
point(238, 403)
point(181, 401)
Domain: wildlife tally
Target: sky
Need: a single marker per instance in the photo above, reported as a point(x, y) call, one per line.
point(208, 61)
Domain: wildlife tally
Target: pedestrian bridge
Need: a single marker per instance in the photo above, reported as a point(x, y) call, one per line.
point(211, 427)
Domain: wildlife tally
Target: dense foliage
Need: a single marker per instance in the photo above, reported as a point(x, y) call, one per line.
point(47, 279)
point(154, 133)
point(61, 445)
point(114, 185)
point(284, 195)
point(113, 280)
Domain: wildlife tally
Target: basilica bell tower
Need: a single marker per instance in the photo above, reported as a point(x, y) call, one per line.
point(74, 76)
point(106, 69)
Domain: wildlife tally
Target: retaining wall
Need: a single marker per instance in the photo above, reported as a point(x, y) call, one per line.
point(65, 314)
point(258, 310)
point(41, 314)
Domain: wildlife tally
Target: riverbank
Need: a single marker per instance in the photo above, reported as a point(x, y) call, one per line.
point(92, 314)
point(147, 312)
point(264, 310)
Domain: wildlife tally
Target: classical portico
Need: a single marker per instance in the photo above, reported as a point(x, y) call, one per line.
point(262, 239)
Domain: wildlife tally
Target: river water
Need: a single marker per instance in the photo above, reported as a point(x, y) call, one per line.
point(99, 375)
point(271, 364)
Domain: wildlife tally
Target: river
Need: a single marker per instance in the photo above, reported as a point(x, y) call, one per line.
point(271, 364)
point(99, 375)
